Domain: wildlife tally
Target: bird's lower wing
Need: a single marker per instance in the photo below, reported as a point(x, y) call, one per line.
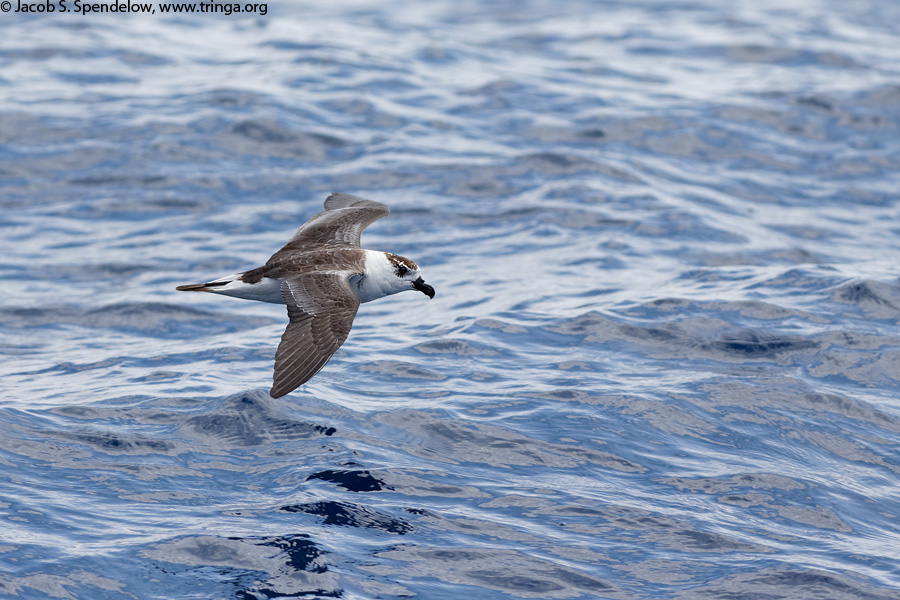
point(321, 307)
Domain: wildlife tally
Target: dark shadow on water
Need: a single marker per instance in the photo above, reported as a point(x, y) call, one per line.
point(352, 515)
point(354, 481)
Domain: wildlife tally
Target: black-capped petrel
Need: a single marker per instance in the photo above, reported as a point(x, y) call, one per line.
point(322, 275)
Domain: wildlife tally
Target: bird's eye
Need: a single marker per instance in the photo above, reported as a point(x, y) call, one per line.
point(401, 270)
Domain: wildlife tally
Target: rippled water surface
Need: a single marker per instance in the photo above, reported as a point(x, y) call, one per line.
point(662, 361)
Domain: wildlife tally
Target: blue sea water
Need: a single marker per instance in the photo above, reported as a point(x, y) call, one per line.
point(664, 356)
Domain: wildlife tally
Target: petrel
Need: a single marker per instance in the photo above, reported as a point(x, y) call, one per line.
point(322, 275)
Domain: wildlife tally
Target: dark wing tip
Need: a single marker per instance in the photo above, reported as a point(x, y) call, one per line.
point(338, 201)
point(285, 382)
point(279, 393)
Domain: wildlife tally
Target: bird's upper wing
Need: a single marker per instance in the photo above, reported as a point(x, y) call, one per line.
point(321, 307)
point(340, 224)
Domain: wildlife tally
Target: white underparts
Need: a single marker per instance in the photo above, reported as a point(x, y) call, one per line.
point(265, 290)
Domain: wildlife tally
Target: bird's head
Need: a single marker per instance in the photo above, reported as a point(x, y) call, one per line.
point(408, 272)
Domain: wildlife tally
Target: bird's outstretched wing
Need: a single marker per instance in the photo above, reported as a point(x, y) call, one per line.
point(321, 307)
point(339, 225)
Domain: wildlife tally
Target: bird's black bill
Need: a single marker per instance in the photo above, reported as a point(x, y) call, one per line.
point(423, 287)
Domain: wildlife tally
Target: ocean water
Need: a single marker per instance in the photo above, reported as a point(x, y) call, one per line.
point(663, 361)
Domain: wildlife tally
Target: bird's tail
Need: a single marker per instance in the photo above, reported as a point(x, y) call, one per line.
point(210, 286)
